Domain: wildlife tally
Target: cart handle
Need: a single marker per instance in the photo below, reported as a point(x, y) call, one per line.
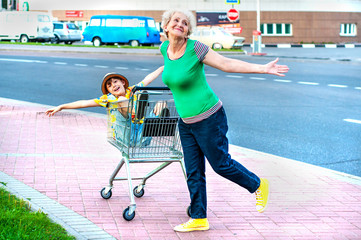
point(136, 88)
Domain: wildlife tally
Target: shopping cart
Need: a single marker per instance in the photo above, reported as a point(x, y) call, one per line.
point(144, 130)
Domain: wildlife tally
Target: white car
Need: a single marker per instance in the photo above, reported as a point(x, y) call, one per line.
point(217, 38)
point(66, 32)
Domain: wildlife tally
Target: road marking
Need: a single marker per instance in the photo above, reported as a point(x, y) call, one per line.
point(282, 80)
point(309, 83)
point(234, 76)
point(15, 60)
point(100, 66)
point(336, 85)
point(352, 120)
point(22, 60)
point(145, 69)
point(257, 78)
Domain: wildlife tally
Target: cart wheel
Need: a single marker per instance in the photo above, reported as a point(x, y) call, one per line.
point(138, 194)
point(126, 215)
point(189, 211)
point(106, 196)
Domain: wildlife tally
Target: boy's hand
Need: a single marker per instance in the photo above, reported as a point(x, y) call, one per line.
point(50, 112)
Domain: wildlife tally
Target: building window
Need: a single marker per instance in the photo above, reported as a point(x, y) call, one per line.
point(348, 29)
point(276, 29)
point(269, 29)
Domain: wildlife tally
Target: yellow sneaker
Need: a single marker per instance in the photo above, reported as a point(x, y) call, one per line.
point(199, 224)
point(262, 194)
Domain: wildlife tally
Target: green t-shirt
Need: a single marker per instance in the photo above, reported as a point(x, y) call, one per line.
point(186, 79)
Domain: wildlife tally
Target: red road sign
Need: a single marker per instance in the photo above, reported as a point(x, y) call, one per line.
point(232, 15)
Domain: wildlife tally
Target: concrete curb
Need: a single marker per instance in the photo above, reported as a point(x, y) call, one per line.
point(65, 49)
point(332, 173)
point(286, 45)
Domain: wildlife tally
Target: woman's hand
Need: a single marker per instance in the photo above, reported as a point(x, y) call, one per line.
point(273, 68)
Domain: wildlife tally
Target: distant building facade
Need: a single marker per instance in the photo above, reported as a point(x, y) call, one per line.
point(281, 21)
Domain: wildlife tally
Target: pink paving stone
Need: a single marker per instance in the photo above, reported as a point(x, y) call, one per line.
point(109, 226)
point(128, 233)
point(300, 209)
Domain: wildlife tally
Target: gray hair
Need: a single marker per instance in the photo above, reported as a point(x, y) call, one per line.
point(167, 15)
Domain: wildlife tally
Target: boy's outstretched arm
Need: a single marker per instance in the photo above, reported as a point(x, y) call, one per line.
point(151, 76)
point(73, 105)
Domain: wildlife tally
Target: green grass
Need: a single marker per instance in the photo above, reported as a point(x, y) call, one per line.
point(17, 221)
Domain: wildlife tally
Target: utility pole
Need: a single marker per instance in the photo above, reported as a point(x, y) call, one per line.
point(257, 38)
point(258, 16)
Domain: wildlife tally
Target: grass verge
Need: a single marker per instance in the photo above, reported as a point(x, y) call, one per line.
point(17, 221)
point(105, 46)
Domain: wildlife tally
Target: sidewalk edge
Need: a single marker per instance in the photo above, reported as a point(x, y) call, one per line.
point(26, 103)
point(333, 173)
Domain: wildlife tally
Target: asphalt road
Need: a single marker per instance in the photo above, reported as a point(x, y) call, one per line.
point(312, 115)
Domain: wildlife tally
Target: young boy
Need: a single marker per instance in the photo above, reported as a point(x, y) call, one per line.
point(114, 87)
point(116, 93)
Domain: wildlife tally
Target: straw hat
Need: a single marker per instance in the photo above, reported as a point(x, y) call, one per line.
point(113, 75)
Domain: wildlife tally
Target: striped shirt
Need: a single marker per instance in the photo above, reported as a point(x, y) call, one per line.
point(204, 115)
point(201, 50)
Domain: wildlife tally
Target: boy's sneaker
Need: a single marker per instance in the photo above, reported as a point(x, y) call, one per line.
point(262, 194)
point(199, 224)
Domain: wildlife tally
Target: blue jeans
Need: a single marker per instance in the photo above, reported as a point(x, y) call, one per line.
point(208, 139)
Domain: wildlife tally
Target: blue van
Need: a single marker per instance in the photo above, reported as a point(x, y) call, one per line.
point(132, 30)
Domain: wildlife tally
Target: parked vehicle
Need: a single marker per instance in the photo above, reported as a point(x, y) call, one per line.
point(66, 32)
point(217, 38)
point(132, 30)
point(25, 26)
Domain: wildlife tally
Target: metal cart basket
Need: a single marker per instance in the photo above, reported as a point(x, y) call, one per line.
point(144, 129)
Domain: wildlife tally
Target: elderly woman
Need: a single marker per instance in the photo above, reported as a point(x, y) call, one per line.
point(203, 123)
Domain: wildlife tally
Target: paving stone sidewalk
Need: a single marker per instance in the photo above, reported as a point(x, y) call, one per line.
point(61, 164)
